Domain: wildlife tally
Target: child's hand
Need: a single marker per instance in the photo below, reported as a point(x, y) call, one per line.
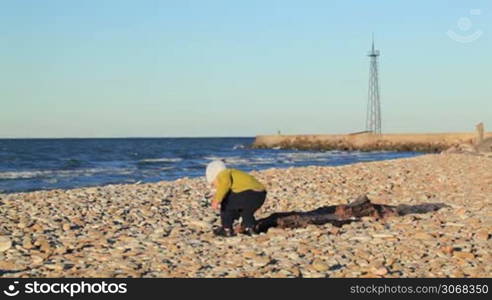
point(215, 205)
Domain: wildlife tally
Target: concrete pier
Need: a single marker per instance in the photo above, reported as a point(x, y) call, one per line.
point(430, 142)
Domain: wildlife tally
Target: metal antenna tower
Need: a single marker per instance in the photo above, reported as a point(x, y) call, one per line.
point(373, 117)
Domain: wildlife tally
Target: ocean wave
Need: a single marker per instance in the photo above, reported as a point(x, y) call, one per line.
point(62, 173)
point(295, 157)
point(303, 156)
point(211, 158)
point(158, 160)
point(51, 180)
point(239, 146)
point(166, 168)
point(21, 175)
point(238, 160)
point(73, 163)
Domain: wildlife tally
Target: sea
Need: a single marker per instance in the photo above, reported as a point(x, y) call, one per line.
point(40, 164)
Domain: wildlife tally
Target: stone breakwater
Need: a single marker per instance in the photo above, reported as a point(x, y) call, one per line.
point(164, 229)
point(432, 143)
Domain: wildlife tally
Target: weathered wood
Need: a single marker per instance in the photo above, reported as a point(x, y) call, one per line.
point(339, 215)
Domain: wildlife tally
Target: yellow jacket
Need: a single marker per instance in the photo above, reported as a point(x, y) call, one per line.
point(236, 181)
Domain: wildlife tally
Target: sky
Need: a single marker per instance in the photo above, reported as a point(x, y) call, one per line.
point(100, 68)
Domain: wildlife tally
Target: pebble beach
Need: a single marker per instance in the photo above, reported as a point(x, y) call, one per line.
point(164, 229)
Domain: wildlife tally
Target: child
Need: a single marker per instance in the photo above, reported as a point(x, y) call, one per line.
point(238, 194)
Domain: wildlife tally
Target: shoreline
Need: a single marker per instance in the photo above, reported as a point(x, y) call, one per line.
point(163, 229)
point(388, 156)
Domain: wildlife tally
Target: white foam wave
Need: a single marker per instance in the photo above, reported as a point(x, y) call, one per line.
point(18, 175)
point(291, 157)
point(164, 159)
point(166, 168)
point(238, 160)
point(302, 156)
point(240, 146)
point(61, 173)
point(213, 158)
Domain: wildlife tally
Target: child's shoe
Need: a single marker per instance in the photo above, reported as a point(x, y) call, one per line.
point(249, 231)
point(226, 232)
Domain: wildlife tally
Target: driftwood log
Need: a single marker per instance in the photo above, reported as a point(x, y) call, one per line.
point(339, 215)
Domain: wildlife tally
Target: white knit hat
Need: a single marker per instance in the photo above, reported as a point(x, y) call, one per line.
point(213, 169)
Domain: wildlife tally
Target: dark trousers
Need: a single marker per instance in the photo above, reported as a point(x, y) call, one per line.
point(244, 205)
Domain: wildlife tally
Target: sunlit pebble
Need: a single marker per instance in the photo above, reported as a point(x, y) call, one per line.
point(164, 229)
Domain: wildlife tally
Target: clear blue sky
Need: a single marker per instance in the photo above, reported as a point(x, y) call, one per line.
point(239, 68)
